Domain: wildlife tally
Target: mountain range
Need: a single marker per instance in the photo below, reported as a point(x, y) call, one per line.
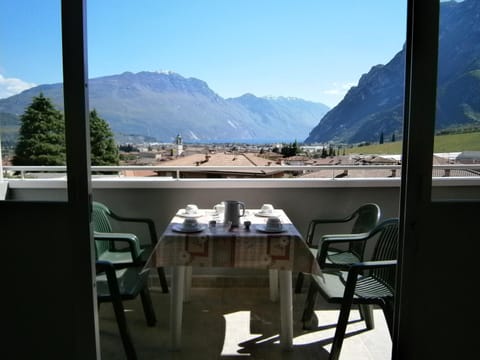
point(160, 105)
point(375, 105)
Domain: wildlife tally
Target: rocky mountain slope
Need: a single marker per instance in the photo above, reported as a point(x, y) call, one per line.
point(375, 105)
point(160, 105)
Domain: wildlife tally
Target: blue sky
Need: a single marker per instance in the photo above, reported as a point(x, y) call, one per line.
point(312, 49)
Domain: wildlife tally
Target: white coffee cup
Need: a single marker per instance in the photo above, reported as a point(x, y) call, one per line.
point(266, 209)
point(191, 209)
point(219, 208)
point(273, 223)
point(190, 224)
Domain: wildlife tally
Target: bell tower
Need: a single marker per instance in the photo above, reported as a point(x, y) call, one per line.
point(179, 143)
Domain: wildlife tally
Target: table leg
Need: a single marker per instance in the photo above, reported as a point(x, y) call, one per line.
point(188, 283)
point(286, 309)
point(273, 281)
point(176, 306)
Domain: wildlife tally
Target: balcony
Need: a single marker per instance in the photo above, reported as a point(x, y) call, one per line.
point(221, 297)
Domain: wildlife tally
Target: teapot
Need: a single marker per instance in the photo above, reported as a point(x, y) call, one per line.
point(234, 210)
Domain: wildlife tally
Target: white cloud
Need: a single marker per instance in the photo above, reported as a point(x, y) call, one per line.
point(12, 86)
point(339, 89)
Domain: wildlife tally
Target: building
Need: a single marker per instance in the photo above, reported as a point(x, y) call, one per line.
point(179, 145)
point(469, 157)
point(223, 159)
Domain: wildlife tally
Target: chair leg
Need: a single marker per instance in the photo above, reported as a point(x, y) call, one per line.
point(340, 330)
point(163, 280)
point(148, 306)
point(388, 313)
point(308, 312)
point(366, 313)
point(123, 328)
point(299, 283)
point(117, 303)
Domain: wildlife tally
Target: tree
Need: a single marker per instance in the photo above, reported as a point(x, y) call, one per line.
point(130, 148)
point(393, 137)
point(331, 151)
point(324, 153)
point(103, 148)
point(290, 149)
point(381, 138)
point(42, 135)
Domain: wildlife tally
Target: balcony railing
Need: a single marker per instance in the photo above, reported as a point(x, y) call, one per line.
point(302, 197)
point(337, 171)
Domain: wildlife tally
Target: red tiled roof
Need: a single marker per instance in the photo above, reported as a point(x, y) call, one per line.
point(220, 159)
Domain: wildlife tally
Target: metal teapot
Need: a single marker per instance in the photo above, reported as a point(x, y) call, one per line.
point(234, 210)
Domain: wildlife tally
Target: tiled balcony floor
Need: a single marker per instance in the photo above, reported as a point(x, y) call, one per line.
point(241, 322)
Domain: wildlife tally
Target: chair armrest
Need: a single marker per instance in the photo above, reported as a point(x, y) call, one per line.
point(356, 269)
point(130, 239)
point(339, 238)
point(313, 224)
point(149, 222)
point(328, 240)
point(369, 265)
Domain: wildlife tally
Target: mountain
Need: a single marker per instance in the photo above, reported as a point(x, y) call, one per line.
point(375, 105)
point(160, 105)
point(276, 113)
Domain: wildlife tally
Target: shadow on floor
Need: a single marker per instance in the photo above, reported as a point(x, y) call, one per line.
point(234, 323)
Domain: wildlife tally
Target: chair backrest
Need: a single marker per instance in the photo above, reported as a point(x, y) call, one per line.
point(100, 217)
point(366, 218)
point(386, 248)
point(101, 223)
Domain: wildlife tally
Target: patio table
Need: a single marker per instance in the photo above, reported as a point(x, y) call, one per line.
point(237, 247)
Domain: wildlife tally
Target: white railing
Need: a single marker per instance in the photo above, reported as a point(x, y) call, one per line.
point(451, 170)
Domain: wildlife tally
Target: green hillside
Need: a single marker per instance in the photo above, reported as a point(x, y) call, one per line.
point(443, 143)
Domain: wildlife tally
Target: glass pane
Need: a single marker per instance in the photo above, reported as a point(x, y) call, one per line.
point(31, 91)
point(456, 160)
point(220, 79)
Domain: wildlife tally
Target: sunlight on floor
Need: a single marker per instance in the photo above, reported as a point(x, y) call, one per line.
point(237, 331)
point(238, 325)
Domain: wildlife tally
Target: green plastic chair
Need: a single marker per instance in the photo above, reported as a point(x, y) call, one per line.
point(363, 220)
point(116, 286)
point(123, 249)
point(364, 283)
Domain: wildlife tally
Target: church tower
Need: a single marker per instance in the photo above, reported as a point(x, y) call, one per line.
point(179, 143)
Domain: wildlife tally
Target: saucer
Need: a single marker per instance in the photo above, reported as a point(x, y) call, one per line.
point(260, 213)
point(183, 214)
point(263, 228)
point(180, 228)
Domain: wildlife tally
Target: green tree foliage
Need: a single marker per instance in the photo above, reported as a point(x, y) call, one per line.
point(103, 148)
point(324, 153)
point(42, 135)
point(130, 148)
point(290, 149)
point(331, 151)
